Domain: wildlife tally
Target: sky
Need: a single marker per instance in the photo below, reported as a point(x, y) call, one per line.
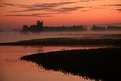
point(15, 13)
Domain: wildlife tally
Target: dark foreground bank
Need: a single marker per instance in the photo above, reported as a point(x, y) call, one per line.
point(66, 41)
point(93, 63)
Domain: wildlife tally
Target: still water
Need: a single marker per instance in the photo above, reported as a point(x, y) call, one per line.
point(14, 69)
point(18, 36)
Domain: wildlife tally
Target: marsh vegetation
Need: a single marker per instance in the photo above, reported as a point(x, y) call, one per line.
point(93, 63)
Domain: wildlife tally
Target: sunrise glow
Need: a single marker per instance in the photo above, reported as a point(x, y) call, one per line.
point(15, 13)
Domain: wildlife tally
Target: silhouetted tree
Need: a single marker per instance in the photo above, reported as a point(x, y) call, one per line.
point(25, 28)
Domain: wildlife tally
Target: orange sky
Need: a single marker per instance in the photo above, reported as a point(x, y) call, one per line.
point(15, 13)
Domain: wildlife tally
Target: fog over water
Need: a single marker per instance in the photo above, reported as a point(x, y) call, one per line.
point(18, 36)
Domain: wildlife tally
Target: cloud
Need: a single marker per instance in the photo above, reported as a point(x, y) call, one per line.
point(84, 0)
point(119, 10)
point(37, 7)
point(32, 9)
point(89, 0)
point(56, 11)
point(19, 15)
point(48, 7)
point(34, 15)
point(8, 4)
point(84, 10)
point(52, 4)
point(114, 5)
point(68, 9)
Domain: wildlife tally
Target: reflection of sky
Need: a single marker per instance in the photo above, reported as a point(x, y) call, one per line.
point(15, 13)
point(14, 69)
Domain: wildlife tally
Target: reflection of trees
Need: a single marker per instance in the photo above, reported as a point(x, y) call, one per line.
point(98, 64)
point(38, 48)
point(0, 30)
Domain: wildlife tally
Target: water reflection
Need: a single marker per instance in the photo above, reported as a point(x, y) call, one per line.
point(13, 69)
point(44, 49)
point(95, 64)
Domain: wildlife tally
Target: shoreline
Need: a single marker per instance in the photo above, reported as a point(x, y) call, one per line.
point(93, 63)
point(65, 41)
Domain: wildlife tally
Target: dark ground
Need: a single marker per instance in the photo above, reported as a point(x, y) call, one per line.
point(66, 41)
point(93, 63)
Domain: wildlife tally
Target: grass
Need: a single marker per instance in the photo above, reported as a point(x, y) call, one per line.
point(93, 63)
point(66, 41)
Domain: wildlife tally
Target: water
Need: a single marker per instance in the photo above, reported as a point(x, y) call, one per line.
point(14, 69)
point(17, 36)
